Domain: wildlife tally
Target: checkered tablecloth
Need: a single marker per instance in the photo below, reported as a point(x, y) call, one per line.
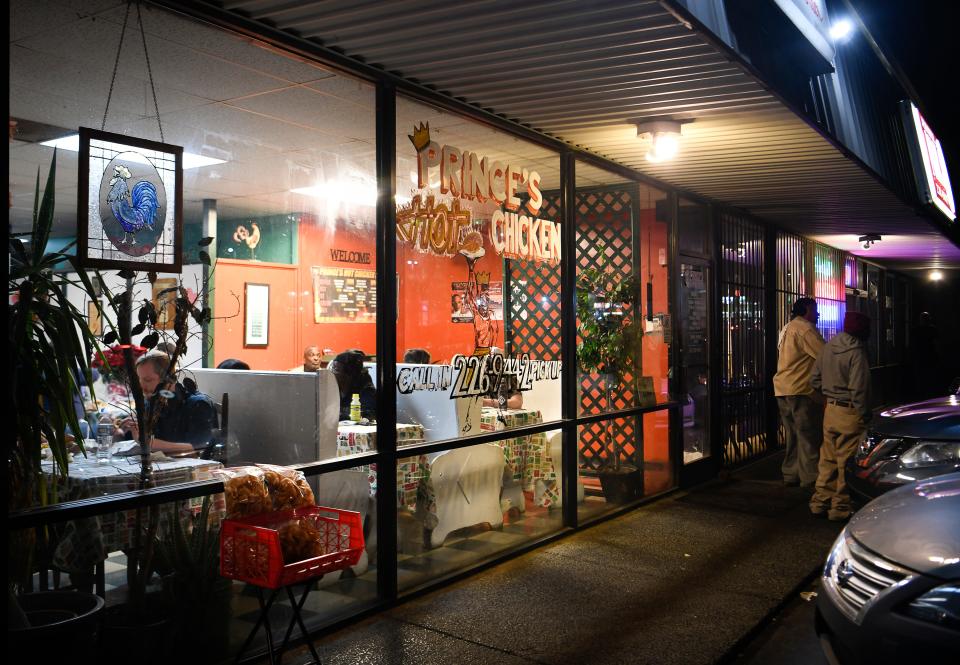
point(361, 438)
point(84, 543)
point(527, 456)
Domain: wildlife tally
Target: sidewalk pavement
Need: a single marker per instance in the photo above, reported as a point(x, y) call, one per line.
point(681, 580)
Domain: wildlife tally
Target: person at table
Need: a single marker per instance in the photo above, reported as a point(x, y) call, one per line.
point(233, 363)
point(505, 389)
point(188, 419)
point(354, 379)
point(417, 357)
point(312, 359)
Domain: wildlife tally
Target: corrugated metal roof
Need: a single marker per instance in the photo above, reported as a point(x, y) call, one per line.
point(580, 71)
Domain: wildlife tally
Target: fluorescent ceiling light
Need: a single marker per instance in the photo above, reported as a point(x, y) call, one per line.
point(350, 191)
point(190, 160)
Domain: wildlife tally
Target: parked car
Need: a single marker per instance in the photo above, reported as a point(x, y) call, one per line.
point(904, 444)
point(891, 583)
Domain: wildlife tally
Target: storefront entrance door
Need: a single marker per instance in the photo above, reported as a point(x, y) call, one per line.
point(698, 458)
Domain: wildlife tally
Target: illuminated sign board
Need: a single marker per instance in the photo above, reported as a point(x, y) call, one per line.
point(929, 166)
point(810, 18)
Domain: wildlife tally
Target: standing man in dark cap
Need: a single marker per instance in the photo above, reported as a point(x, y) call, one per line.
point(842, 373)
point(800, 406)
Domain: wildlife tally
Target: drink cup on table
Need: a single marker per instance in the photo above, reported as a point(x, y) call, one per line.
point(104, 440)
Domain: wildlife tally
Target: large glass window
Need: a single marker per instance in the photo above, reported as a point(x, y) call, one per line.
point(279, 169)
point(478, 273)
point(458, 508)
point(623, 320)
point(828, 288)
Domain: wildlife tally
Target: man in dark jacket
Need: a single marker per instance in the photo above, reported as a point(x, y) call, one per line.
point(842, 374)
point(354, 379)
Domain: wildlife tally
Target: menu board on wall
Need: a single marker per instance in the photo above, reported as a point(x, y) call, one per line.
point(344, 295)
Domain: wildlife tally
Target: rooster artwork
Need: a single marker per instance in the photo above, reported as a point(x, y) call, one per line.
point(131, 206)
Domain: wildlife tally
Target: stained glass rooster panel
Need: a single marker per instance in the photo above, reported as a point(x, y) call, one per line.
point(130, 211)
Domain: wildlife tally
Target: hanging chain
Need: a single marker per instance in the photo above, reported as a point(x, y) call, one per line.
point(116, 66)
point(146, 55)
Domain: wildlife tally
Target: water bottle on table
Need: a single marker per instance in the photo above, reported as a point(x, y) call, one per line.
point(104, 440)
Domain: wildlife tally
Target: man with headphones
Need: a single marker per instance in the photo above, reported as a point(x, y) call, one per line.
point(801, 408)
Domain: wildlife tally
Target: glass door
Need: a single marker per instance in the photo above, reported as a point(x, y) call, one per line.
point(694, 313)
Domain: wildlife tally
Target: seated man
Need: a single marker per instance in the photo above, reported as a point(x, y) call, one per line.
point(504, 389)
point(311, 359)
point(353, 378)
point(188, 419)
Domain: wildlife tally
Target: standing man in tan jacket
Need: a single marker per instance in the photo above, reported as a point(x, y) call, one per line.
point(842, 372)
point(801, 410)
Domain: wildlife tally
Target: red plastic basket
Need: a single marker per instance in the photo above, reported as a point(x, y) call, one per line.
point(250, 547)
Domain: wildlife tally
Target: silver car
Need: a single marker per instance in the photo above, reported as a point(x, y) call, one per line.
point(891, 584)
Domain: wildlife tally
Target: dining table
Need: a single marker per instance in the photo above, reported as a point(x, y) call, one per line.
point(82, 545)
point(527, 456)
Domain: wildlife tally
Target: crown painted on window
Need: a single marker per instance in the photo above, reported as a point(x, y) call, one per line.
point(483, 279)
point(420, 137)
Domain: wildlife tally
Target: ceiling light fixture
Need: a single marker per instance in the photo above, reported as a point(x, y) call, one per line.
point(71, 142)
point(665, 137)
point(935, 275)
point(869, 239)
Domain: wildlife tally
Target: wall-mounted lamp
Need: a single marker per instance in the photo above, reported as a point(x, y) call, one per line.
point(869, 239)
point(665, 135)
point(935, 275)
point(840, 30)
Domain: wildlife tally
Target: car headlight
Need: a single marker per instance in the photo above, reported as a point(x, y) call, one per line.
point(875, 448)
point(931, 453)
point(940, 606)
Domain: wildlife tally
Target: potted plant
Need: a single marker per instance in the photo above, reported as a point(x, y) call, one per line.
point(610, 332)
point(188, 559)
point(49, 346)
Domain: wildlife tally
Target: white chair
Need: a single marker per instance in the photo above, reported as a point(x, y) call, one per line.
point(466, 483)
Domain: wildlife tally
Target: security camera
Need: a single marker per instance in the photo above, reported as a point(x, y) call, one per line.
point(869, 239)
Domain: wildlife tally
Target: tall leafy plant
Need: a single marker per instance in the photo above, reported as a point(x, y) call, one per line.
point(49, 347)
point(609, 328)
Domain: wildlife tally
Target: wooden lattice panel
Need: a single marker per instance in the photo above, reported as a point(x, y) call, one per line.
point(534, 309)
point(605, 220)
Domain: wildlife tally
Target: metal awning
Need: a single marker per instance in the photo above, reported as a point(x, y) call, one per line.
point(582, 71)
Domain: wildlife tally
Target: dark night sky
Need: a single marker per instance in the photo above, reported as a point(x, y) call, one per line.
point(923, 37)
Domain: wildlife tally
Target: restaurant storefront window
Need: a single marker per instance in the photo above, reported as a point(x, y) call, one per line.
point(624, 328)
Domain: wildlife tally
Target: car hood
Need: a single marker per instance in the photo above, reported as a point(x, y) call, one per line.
point(935, 418)
point(915, 526)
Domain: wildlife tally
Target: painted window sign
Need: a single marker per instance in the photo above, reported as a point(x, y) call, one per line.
point(929, 165)
point(514, 228)
point(130, 211)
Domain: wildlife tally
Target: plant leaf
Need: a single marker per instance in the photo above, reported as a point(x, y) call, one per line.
point(205, 241)
point(204, 258)
point(110, 337)
point(150, 341)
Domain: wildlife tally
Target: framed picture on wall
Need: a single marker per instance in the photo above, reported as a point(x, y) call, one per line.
point(130, 213)
point(256, 314)
point(165, 302)
point(93, 318)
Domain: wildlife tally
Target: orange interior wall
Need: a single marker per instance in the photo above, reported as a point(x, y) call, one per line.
point(656, 440)
point(229, 278)
point(316, 241)
point(424, 300)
